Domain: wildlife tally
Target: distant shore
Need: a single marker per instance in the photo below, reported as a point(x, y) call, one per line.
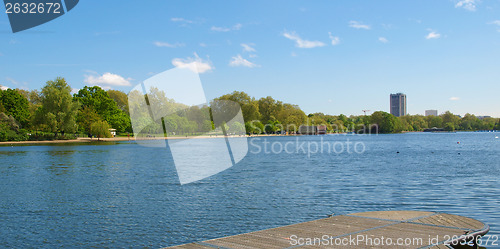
point(118, 139)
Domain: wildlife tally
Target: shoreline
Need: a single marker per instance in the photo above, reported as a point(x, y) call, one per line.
point(118, 139)
point(121, 139)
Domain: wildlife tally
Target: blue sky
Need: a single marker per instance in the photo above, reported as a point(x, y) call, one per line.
point(326, 56)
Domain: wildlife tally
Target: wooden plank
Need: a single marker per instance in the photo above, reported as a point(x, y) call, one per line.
point(414, 229)
point(191, 246)
point(394, 215)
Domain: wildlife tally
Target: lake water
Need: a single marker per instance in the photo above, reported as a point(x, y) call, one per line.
point(125, 195)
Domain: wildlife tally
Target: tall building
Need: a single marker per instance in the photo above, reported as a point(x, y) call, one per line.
point(431, 113)
point(398, 104)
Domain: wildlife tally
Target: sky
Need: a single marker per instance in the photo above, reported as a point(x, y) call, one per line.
point(325, 56)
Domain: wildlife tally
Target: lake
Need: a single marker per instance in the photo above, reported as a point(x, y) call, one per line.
point(126, 195)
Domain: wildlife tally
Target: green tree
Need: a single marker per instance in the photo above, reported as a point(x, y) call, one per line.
point(272, 126)
point(249, 107)
point(469, 122)
point(449, 117)
point(449, 126)
point(120, 98)
point(237, 128)
point(85, 118)
point(269, 109)
point(387, 123)
point(16, 105)
point(434, 121)
point(100, 129)
point(254, 127)
point(58, 110)
point(291, 117)
point(99, 100)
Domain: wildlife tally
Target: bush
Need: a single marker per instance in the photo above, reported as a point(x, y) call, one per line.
point(449, 127)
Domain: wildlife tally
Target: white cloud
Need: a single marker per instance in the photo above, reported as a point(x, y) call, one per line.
point(496, 22)
point(383, 40)
point(248, 48)
point(15, 82)
point(203, 45)
point(90, 71)
point(74, 90)
point(454, 98)
point(433, 35)
point(194, 64)
point(467, 4)
point(359, 25)
point(168, 45)
point(252, 55)
point(220, 29)
point(107, 80)
point(238, 61)
point(293, 54)
point(415, 20)
point(3, 88)
point(181, 20)
point(225, 29)
point(300, 43)
point(237, 26)
point(335, 39)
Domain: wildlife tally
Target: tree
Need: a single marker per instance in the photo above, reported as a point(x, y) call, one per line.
point(387, 123)
point(469, 122)
point(99, 100)
point(237, 128)
point(434, 121)
point(449, 117)
point(291, 117)
point(249, 107)
point(120, 98)
point(269, 108)
point(497, 125)
point(449, 126)
point(9, 122)
point(100, 129)
point(254, 127)
point(58, 110)
point(16, 105)
point(85, 118)
point(10, 130)
point(207, 126)
point(272, 126)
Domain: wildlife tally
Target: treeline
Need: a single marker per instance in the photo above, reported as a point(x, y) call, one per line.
point(267, 115)
point(54, 113)
point(383, 122)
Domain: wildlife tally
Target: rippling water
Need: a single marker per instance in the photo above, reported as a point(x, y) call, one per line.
point(124, 195)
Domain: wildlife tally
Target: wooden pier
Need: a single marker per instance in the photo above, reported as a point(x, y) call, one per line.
point(385, 229)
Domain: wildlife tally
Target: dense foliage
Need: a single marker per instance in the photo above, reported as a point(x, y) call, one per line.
point(53, 113)
point(97, 104)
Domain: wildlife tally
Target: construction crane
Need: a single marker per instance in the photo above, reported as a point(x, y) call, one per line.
point(365, 111)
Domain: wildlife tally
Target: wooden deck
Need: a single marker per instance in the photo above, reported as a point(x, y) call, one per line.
point(401, 229)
